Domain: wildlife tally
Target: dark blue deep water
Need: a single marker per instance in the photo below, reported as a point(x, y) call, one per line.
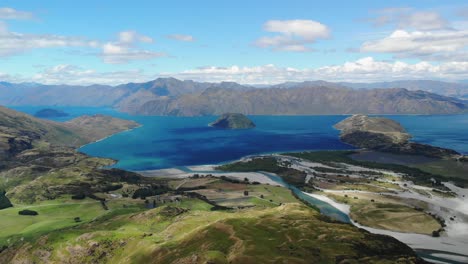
point(164, 142)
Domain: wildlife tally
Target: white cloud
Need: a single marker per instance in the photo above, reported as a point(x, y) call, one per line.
point(125, 49)
point(424, 20)
point(424, 35)
point(294, 35)
point(122, 51)
point(363, 70)
point(117, 54)
point(131, 37)
point(429, 45)
point(181, 37)
point(12, 43)
point(404, 18)
point(74, 75)
point(10, 13)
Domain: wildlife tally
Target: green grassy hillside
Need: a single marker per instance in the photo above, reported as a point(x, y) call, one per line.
point(190, 233)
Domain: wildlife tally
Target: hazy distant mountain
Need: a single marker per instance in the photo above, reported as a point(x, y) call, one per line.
point(169, 96)
point(101, 95)
point(67, 95)
point(303, 101)
point(459, 90)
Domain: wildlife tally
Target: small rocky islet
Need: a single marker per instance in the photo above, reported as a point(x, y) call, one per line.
point(233, 121)
point(50, 113)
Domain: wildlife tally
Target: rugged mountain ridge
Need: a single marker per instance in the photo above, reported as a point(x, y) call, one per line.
point(317, 100)
point(169, 96)
point(458, 90)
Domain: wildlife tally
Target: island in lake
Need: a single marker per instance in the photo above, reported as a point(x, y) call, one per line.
point(386, 135)
point(50, 113)
point(233, 121)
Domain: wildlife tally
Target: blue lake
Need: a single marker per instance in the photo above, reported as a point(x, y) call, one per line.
point(164, 142)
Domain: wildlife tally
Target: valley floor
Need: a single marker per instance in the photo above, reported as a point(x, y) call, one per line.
point(433, 220)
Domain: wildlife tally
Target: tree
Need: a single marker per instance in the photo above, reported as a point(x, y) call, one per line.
point(4, 201)
point(77, 219)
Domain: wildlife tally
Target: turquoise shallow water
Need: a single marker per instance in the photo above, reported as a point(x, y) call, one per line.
point(164, 142)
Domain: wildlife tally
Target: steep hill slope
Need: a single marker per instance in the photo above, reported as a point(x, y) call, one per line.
point(20, 131)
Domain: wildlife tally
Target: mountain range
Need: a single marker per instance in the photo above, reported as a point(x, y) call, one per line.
point(170, 96)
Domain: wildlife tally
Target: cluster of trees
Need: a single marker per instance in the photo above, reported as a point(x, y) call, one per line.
point(150, 191)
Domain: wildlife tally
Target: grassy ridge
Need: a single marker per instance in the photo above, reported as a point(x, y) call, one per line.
point(180, 233)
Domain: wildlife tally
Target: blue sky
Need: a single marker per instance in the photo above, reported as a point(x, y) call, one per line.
point(111, 42)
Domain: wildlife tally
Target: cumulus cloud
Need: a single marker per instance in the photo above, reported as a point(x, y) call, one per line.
point(12, 43)
point(366, 69)
point(363, 70)
point(74, 75)
point(181, 37)
point(118, 54)
point(429, 45)
point(403, 18)
point(10, 13)
point(292, 35)
point(130, 37)
point(125, 49)
point(423, 35)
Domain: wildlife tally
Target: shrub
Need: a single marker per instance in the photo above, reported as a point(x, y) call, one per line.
point(77, 219)
point(79, 196)
point(27, 212)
